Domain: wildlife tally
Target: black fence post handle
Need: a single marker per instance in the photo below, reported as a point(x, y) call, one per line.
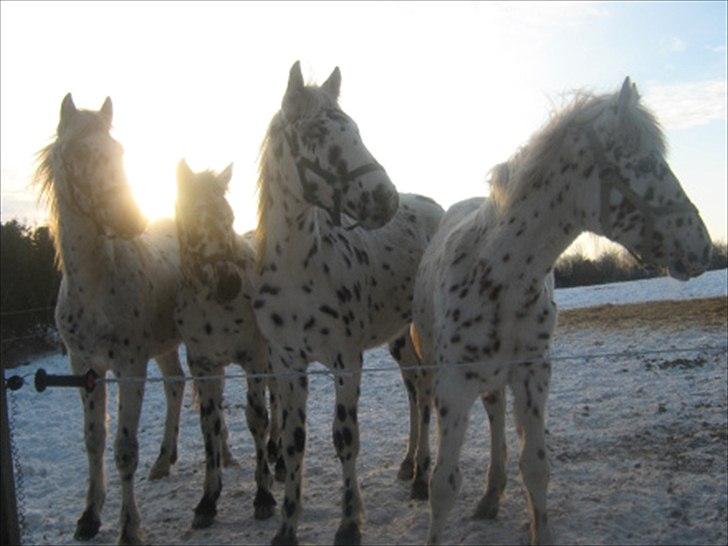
point(43, 380)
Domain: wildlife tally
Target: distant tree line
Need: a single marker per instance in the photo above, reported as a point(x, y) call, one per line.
point(617, 266)
point(29, 280)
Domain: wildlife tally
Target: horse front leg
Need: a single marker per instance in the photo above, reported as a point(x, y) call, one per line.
point(94, 433)
point(293, 393)
point(257, 417)
point(174, 388)
point(346, 441)
point(529, 383)
point(210, 392)
point(227, 455)
point(126, 446)
point(275, 454)
point(495, 406)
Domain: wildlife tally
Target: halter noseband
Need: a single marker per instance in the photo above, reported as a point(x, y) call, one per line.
point(611, 179)
point(333, 179)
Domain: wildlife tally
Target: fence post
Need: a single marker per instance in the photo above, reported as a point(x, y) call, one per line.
point(9, 507)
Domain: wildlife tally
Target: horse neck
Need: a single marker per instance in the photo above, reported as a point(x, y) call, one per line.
point(288, 217)
point(536, 229)
point(85, 252)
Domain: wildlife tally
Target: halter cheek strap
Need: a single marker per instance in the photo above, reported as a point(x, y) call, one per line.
point(335, 180)
point(611, 179)
point(91, 214)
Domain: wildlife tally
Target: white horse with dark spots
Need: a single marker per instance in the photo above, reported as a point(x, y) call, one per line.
point(483, 308)
point(116, 300)
point(339, 249)
point(215, 318)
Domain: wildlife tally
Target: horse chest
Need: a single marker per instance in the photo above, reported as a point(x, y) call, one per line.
point(223, 332)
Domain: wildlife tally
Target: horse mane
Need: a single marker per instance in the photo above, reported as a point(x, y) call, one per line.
point(509, 181)
point(271, 139)
point(43, 179)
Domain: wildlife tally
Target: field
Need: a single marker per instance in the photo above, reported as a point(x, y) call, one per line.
point(638, 444)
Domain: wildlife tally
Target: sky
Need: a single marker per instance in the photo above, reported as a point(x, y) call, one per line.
point(441, 91)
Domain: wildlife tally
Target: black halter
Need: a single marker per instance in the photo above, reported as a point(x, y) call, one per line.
point(336, 180)
point(611, 179)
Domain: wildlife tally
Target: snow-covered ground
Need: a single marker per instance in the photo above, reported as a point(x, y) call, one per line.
point(708, 285)
point(637, 448)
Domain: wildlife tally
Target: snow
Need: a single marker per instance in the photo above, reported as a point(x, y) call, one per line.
point(708, 285)
point(637, 449)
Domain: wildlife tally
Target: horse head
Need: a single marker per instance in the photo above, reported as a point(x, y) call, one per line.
point(335, 170)
point(94, 181)
point(641, 202)
point(205, 230)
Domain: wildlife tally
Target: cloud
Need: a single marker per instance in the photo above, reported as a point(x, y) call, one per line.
point(677, 45)
point(687, 104)
point(716, 49)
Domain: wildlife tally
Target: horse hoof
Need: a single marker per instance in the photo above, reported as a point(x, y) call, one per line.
point(131, 540)
point(229, 461)
point(202, 521)
point(285, 537)
point(264, 504)
point(87, 526)
point(420, 491)
point(406, 470)
point(159, 470)
point(280, 471)
point(348, 535)
point(486, 509)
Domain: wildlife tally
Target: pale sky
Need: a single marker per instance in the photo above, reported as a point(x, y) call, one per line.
point(441, 91)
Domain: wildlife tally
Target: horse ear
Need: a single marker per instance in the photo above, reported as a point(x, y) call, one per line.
point(223, 179)
point(184, 173)
point(332, 85)
point(68, 108)
point(107, 110)
point(625, 97)
point(295, 86)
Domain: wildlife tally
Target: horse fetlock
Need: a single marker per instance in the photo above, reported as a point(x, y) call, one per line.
point(130, 531)
point(264, 504)
point(126, 456)
point(406, 469)
point(286, 536)
point(88, 525)
point(205, 511)
point(280, 471)
point(488, 506)
point(348, 534)
point(420, 489)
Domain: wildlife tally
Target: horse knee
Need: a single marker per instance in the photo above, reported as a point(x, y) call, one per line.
point(126, 456)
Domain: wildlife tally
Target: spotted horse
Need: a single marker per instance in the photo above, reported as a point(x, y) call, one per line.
point(215, 318)
point(116, 299)
point(339, 249)
point(483, 309)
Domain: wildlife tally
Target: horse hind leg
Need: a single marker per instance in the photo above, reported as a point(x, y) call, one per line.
point(171, 368)
point(453, 400)
point(257, 417)
point(402, 351)
point(495, 406)
point(94, 431)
